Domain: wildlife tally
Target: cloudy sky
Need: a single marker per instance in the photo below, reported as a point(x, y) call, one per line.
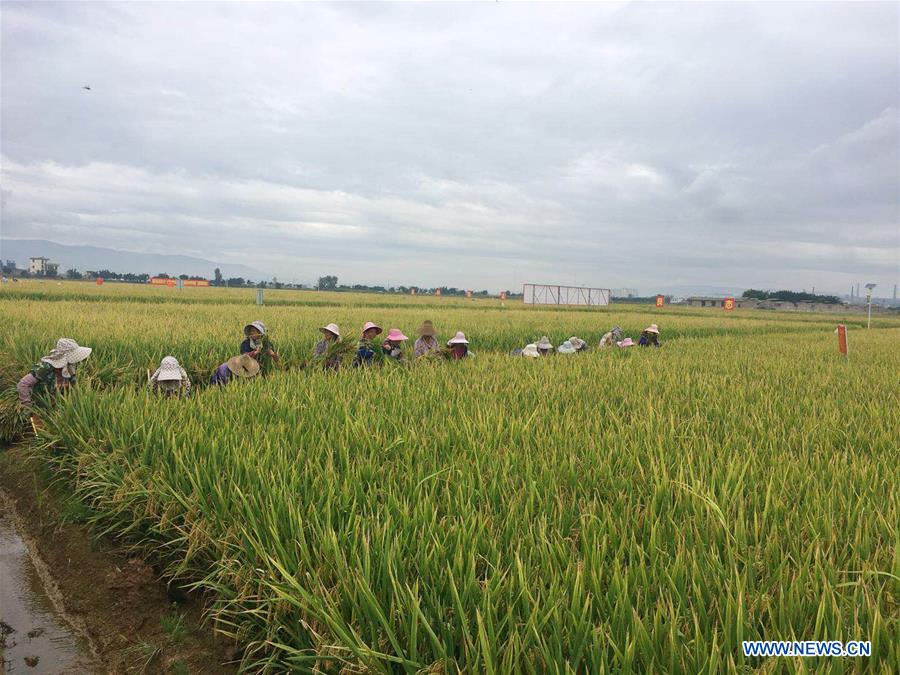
point(472, 145)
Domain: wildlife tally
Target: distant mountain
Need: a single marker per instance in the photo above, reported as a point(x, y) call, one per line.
point(85, 258)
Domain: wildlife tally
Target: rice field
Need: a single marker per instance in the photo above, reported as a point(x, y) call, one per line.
point(613, 511)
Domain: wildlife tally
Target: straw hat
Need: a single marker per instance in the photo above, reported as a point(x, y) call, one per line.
point(396, 334)
point(544, 343)
point(530, 350)
point(578, 343)
point(426, 329)
point(169, 369)
point(368, 324)
point(566, 348)
point(458, 339)
point(331, 328)
point(243, 366)
point(66, 352)
point(258, 325)
point(652, 329)
point(627, 342)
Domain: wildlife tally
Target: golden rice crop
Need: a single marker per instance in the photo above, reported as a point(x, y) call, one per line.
point(642, 510)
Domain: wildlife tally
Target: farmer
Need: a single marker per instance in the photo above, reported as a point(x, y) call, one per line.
point(258, 345)
point(610, 338)
point(54, 372)
point(237, 366)
point(544, 347)
point(170, 379)
point(331, 335)
point(365, 350)
point(459, 346)
point(393, 346)
point(427, 342)
point(566, 348)
point(530, 351)
point(579, 344)
point(649, 336)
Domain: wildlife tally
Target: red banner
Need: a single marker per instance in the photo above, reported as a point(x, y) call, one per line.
point(728, 304)
point(660, 301)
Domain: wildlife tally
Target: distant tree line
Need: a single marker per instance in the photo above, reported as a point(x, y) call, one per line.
point(330, 283)
point(325, 283)
point(791, 296)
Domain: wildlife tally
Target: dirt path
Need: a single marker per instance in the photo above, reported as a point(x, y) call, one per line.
point(128, 617)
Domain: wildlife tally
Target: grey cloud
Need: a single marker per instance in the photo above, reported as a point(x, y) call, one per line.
point(467, 144)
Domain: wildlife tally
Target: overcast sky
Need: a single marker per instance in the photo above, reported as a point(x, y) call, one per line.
point(471, 145)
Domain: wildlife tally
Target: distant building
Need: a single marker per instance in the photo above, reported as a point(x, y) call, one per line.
point(42, 267)
point(705, 301)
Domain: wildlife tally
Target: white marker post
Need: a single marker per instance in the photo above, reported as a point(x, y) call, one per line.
point(869, 288)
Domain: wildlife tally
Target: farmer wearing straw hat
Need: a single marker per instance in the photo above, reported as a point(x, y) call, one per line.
point(243, 366)
point(365, 350)
point(459, 346)
point(566, 348)
point(544, 347)
point(530, 351)
point(331, 335)
point(649, 336)
point(258, 345)
point(54, 372)
point(170, 379)
point(393, 345)
point(611, 337)
point(427, 342)
point(579, 344)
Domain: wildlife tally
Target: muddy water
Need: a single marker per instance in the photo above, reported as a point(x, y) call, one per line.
point(34, 637)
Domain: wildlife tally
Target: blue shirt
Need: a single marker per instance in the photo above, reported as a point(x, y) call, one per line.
point(222, 375)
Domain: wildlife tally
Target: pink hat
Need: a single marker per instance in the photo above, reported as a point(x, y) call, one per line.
point(396, 334)
point(369, 325)
point(627, 342)
point(458, 339)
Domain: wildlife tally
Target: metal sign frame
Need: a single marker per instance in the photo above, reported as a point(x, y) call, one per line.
point(554, 294)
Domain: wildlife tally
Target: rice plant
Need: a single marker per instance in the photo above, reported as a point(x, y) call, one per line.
point(618, 510)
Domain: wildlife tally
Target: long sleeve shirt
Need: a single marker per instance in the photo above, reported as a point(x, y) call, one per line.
point(364, 353)
point(42, 378)
point(222, 375)
point(424, 345)
point(180, 387)
point(321, 349)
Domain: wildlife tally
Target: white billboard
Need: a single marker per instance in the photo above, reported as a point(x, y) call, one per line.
point(552, 294)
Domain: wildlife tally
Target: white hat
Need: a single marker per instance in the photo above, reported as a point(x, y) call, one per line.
point(458, 339)
point(331, 328)
point(566, 348)
point(258, 325)
point(652, 329)
point(530, 350)
point(66, 351)
point(544, 343)
point(169, 369)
